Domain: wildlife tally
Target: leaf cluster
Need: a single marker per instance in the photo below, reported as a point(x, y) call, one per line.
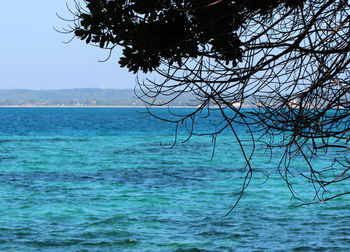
point(172, 30)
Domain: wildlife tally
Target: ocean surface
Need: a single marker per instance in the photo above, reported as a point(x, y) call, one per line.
point(104, 179)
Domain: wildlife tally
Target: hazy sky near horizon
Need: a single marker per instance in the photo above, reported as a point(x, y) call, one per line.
point(33, 55)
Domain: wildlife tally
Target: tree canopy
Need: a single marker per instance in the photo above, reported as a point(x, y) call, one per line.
point(151, 31)
point(290, 56)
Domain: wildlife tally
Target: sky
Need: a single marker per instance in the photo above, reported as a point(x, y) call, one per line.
point(33, 55)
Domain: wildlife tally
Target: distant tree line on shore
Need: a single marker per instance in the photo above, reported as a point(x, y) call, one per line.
point(76, 97)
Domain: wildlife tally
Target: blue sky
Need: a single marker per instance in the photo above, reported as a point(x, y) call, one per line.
point(33, 55)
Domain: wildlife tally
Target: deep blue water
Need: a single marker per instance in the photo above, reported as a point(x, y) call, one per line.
point(93, 179)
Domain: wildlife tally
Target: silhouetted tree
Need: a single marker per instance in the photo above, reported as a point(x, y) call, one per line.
point(291, 57)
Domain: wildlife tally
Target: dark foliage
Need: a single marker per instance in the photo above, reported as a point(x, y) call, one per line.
point(151, 31)
point(290, 56)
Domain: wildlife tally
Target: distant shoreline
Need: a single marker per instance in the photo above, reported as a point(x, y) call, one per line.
point(106, 106)
point(92, 98)
point(87, 106)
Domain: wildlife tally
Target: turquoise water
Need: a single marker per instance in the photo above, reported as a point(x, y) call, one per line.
point(99, 180)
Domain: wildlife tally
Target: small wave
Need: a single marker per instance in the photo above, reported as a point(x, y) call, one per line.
point(191, 250)
point(7, 157)
point(127, 242)
point(43, 140)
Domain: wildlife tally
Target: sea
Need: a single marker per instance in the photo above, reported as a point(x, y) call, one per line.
point(115, 179)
